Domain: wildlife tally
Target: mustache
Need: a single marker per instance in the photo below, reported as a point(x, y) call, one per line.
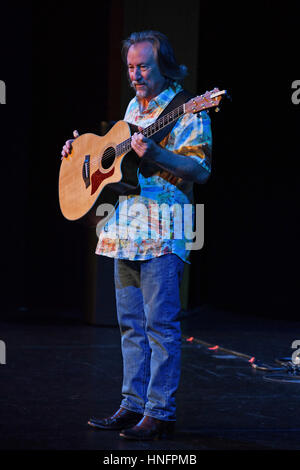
point(134, 83)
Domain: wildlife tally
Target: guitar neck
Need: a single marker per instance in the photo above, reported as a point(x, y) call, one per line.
point(198, 103)
point(149, 131)
point(164, 121)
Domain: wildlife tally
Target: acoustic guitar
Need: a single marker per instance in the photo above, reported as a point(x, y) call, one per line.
point(101, 168)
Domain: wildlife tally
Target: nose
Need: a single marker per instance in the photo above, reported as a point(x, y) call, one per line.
point(136, 74)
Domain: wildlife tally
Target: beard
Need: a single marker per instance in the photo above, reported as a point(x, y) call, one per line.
point(139, 92)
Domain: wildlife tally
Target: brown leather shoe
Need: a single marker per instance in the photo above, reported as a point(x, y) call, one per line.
point(148, 429)
point(122, 419)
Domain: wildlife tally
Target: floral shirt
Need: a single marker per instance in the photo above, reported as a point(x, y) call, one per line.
point(160, 219)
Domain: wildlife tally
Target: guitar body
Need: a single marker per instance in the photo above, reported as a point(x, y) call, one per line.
point(93, 172)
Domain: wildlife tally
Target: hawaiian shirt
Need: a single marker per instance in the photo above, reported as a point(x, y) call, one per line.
point(160, 219)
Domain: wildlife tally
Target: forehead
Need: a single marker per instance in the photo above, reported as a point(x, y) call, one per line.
point(141, 52)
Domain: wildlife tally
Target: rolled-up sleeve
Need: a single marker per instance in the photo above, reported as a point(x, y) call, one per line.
point(191, 136)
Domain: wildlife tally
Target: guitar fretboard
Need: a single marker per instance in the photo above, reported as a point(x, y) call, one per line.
point(149, 131)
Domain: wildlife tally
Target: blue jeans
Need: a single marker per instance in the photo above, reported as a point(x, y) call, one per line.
point(148, 305)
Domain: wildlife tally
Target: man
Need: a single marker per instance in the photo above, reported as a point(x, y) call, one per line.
point(148, 270)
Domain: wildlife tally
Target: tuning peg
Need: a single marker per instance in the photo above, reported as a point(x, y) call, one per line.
point(217, 109)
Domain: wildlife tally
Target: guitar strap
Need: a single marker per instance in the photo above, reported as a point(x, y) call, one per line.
point(147, 168)
point(179, 99)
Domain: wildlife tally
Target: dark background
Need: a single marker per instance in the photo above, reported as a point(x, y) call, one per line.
point(63, 71)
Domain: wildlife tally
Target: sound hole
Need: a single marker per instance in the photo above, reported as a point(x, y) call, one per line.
point(108, 158)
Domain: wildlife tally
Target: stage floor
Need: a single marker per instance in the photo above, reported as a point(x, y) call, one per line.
point(60, 371)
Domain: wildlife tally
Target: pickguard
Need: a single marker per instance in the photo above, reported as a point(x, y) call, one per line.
point(98, 177)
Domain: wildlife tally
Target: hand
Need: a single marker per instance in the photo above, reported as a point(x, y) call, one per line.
point(144, 148)
point(67, 148)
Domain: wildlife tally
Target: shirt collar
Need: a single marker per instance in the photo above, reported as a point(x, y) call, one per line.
point(166, 95)
point(163, 98)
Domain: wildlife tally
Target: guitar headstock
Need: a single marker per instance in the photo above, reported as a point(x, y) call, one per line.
point(209, 99)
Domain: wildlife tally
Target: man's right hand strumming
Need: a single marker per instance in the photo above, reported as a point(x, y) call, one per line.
point(67, 148)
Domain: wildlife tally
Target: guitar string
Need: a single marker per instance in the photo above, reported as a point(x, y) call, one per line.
point(174, 114)
point(112, 153)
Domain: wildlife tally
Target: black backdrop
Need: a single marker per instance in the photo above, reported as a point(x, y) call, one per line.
point(57, 64)
point(250, 253)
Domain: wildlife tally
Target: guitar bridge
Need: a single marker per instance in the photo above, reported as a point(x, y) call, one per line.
point(86, 171)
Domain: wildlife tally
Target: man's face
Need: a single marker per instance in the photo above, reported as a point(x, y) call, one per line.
point(143, 71)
